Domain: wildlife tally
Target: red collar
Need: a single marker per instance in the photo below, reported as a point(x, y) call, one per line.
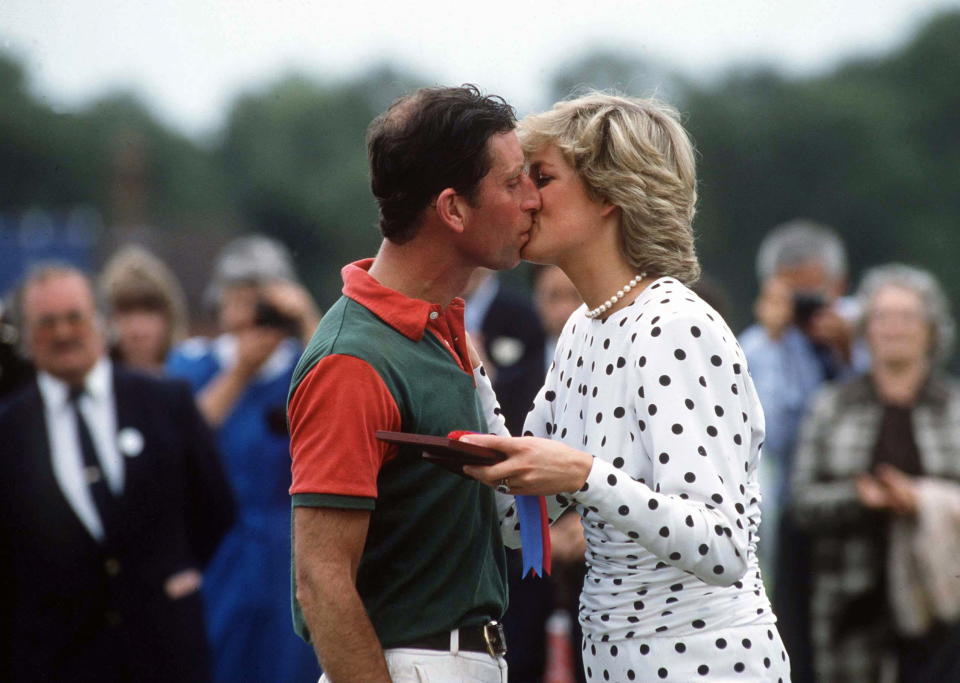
point(406, 315)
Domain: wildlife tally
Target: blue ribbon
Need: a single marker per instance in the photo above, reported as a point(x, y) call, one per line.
point(531, 534)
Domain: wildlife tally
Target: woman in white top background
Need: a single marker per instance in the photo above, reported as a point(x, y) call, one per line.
point(648, 421)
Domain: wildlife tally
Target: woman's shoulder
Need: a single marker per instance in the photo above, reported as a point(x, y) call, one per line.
point(676, 309)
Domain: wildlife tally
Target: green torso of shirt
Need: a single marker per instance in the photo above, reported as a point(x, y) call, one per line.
point(434, 558)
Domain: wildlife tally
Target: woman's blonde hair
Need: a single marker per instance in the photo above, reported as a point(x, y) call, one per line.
point(634, 154)
point(136, 280)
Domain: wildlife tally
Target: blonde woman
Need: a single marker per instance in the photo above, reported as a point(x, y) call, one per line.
point(648, 422)
point(146, 307)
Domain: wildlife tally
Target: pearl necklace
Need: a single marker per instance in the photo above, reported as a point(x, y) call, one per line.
point(609, 303)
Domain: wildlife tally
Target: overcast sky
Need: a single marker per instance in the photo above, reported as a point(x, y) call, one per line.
point(189, 58)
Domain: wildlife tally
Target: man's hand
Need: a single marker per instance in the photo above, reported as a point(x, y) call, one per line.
point(182, 584)
point(774, 307)
point(829, 328)
point(254, 346)
point(533, 466)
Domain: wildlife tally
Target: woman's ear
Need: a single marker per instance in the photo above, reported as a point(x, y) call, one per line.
point(451, 209)
point(607, 209)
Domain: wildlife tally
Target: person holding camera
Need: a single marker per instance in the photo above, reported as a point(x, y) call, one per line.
point(240, 380)
point(801, 339)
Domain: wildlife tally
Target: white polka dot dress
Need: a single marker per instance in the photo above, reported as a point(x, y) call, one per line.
point(659, 393)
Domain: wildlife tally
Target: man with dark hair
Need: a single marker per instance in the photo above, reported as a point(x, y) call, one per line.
point(431, 140)
point(399, 564)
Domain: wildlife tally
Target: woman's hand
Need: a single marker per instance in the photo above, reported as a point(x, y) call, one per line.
point(533, 466)
point(901, 489)
point(890, 490)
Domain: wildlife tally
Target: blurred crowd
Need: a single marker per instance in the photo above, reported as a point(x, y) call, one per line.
point(145, 519)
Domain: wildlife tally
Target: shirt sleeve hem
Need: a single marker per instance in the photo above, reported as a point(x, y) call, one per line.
point(332, 500)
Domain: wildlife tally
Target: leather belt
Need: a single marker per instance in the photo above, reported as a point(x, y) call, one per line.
point(486, 638)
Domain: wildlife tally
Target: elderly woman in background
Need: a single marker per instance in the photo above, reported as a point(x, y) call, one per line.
point(146, 308)
point(875, 483)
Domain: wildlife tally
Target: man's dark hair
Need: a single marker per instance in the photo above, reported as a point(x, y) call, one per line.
point(425, 142)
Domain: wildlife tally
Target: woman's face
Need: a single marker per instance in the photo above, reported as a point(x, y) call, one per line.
point(568, 218)
point(898, 331)
point(142, 337)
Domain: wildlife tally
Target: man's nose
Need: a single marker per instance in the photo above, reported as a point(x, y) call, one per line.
point(531, 200)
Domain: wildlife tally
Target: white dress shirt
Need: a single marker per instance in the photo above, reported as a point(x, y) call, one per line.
point(99, 410)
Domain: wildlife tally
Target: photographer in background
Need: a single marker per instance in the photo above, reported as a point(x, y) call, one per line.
point(802, 338)
point(240, 380)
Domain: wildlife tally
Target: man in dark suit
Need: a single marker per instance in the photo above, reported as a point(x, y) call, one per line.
point(112, 502)
point(508, 330)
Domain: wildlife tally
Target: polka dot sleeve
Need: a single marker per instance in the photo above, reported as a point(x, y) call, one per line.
point(489, 403)
point(540, 413)
point(687, 386)
point(506, 509)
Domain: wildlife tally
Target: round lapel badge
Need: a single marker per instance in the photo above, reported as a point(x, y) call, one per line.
point(506, 351)
point(130, 441)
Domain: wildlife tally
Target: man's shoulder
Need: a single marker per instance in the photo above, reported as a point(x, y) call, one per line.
point(26, 398)
point(347, 324)
point(129, 382)
point(755, 341)
point(346, 329)
point(755, 337)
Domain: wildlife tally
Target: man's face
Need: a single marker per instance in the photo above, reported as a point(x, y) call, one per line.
point(811, 277)
point(556, 299)
point(238, 307)
point(498, 226)
point(62, 332)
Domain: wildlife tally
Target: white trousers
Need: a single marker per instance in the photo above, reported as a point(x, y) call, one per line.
point(440, 666)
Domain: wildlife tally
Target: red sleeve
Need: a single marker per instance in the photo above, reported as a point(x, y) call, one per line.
point(333, 415)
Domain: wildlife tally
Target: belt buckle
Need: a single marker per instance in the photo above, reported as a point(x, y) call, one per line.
point(494, 638)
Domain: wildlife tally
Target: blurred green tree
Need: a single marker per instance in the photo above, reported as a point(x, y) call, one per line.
point(295, 157)
point(110, 148)
point(870, 147)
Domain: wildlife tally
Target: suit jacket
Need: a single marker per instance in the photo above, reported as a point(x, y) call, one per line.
point(514, 340)
point(73, 610)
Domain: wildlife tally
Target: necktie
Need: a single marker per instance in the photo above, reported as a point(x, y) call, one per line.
point(103, 498)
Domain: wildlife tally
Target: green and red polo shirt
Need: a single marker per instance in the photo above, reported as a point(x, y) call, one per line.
point(434, 558)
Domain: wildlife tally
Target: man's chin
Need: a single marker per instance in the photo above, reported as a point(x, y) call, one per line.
point(509, 264)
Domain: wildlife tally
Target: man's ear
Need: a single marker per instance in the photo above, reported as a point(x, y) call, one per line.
point(451, 208)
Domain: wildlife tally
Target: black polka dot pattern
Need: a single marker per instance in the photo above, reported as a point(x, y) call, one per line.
point(671, 499)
